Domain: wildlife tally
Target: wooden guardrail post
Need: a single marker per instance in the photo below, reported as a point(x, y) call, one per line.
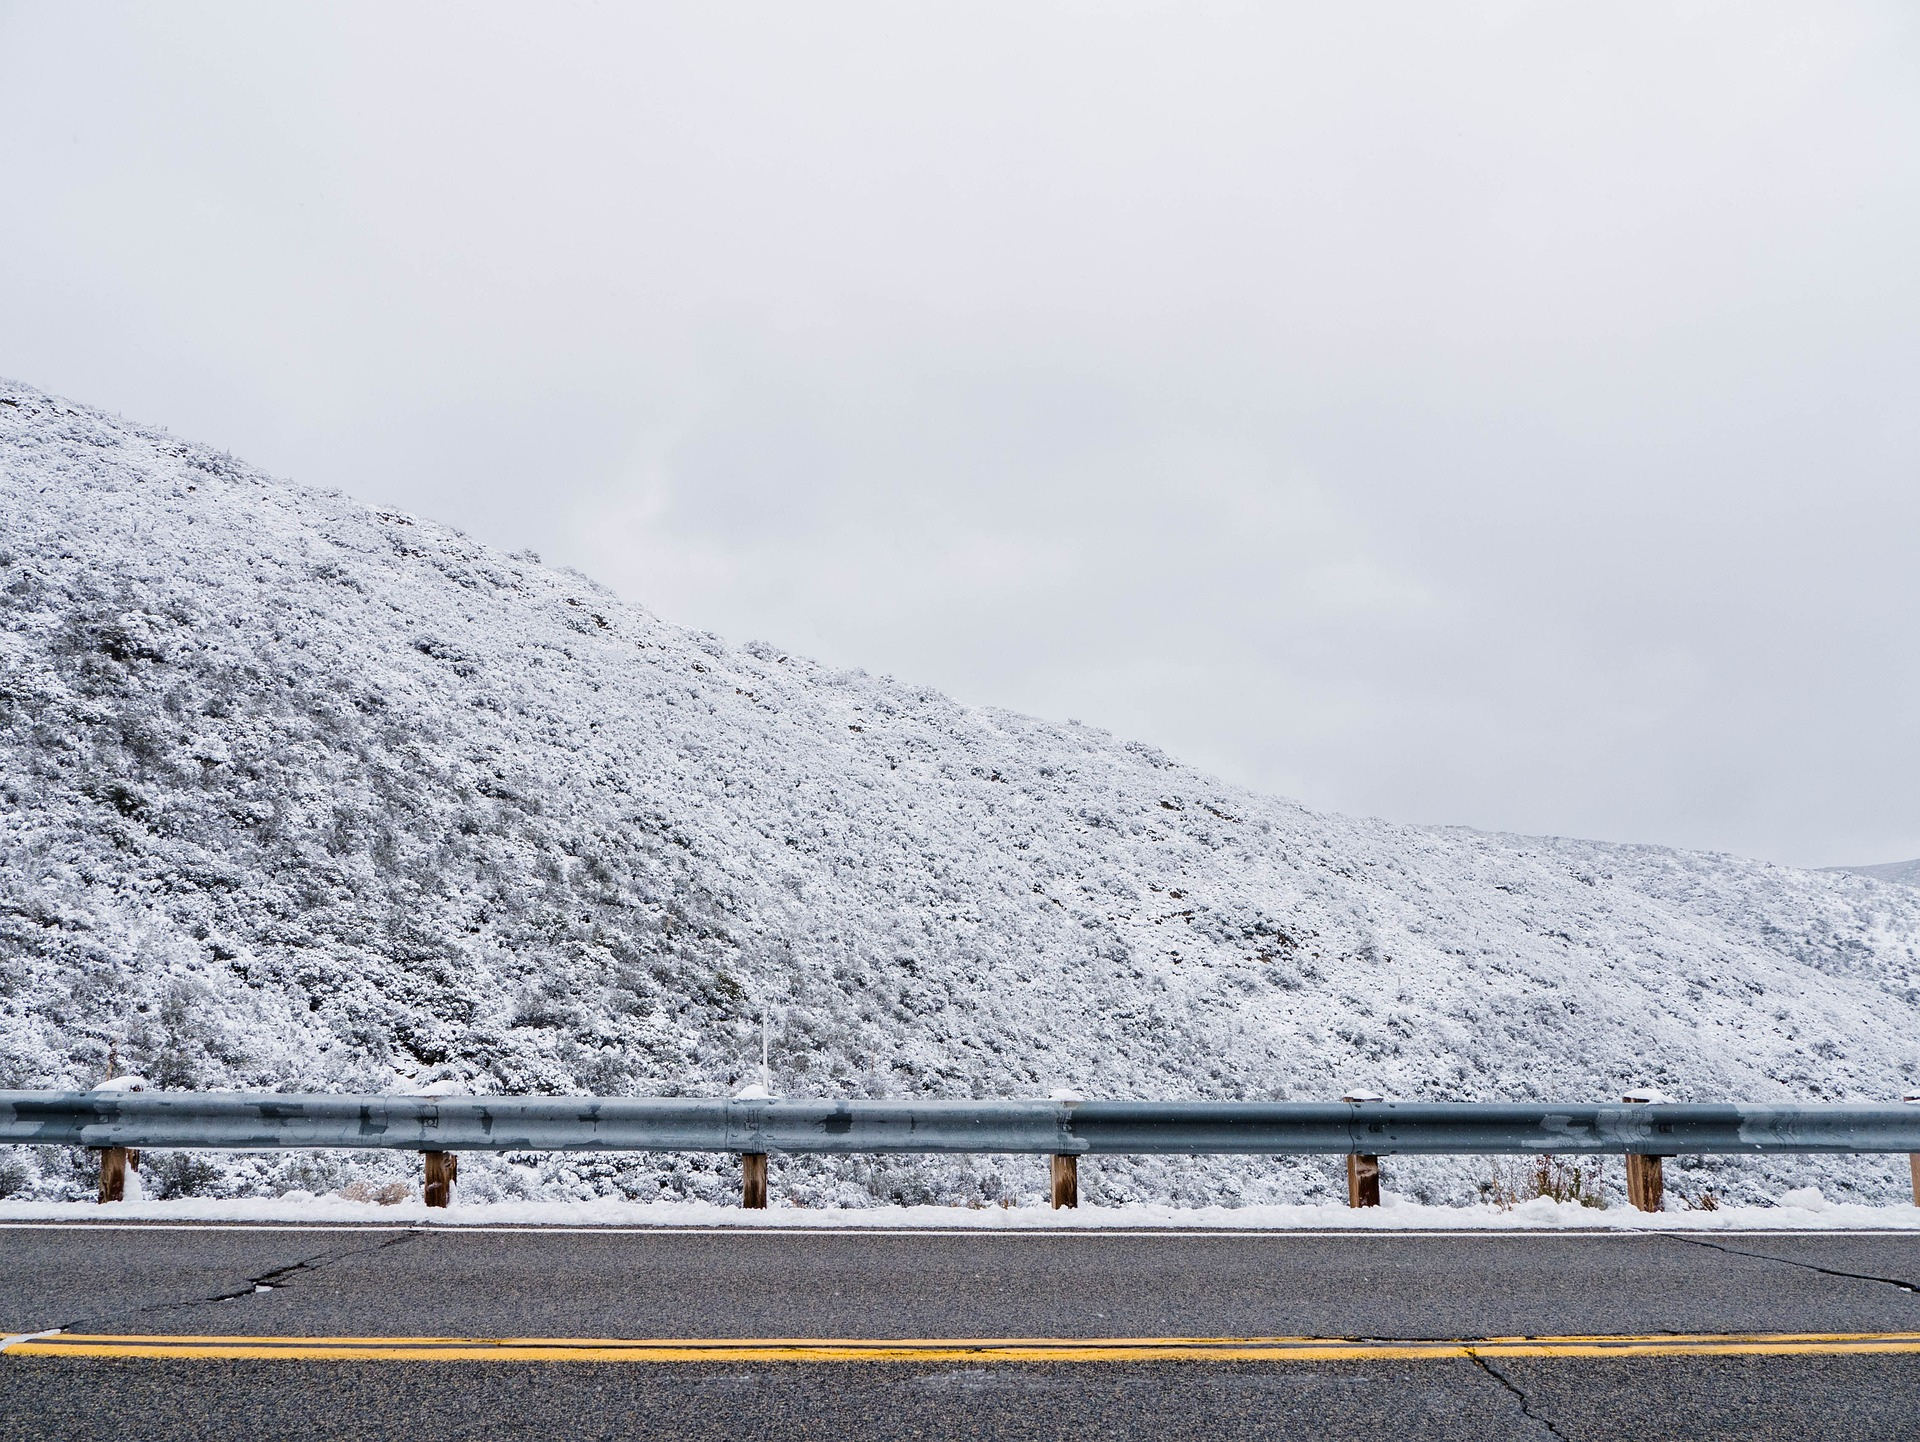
point(443, 1170)
point(1066, 1180)
point(753, 1165)
point(753, 1181)
point(1363, 1180)
point(1646, 1186)
point(1064, 1175)
point(115, 1163)
point(1913, 1158)
point(1363, 1169)
point(118, 1165)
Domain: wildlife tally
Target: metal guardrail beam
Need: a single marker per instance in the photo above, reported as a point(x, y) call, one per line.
point(260, 1121)
point(1483, 1128)
point(263, 1121)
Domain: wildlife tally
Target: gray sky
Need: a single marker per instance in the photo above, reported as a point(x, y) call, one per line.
point(1490, 413)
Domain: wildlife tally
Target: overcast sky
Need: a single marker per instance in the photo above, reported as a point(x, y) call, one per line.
point(1499, 414)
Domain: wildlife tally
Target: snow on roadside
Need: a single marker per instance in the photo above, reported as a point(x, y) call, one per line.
point(1804, 1209)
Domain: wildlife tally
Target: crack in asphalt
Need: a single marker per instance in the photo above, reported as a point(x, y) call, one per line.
point(281, 1276)
point(1899, 1282)
point(1526, 1403)
point(268, 1281)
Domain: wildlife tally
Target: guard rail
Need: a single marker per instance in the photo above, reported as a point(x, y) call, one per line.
point(1361, 1129)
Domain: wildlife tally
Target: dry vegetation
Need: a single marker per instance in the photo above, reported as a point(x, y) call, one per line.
point(1522, 1179)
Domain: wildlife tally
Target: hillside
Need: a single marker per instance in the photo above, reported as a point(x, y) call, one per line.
point(1905, 872)
point(306, 795)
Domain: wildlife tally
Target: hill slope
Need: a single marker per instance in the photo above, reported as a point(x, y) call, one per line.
point(302, 794)
point(1907, 873)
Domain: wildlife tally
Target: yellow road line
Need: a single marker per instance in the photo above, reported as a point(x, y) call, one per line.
point(976, 1350)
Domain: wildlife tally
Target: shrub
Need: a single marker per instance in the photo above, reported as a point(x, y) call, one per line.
point(386, 1195)
point(16, 1172)
point(1545, 1176)
point(166, 1175)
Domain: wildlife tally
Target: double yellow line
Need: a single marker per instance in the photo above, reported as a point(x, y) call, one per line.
point(964, 1350)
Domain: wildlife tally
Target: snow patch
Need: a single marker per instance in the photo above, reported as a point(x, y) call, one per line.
point(1394, 1214)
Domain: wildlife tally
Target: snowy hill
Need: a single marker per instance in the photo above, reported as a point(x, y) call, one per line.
point(1905, 872)
point(301, 794)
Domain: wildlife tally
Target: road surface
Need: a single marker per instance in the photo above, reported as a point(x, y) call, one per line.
point(1093, 1335)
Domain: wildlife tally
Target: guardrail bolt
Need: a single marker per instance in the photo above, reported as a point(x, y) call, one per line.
point(1363, 1170)
point(753, 1181)
point(1066, 1180)
point(115, 1163)
point(1646, 1186)
point(443, 1170)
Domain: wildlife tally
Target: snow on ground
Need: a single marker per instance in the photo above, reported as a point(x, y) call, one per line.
point(299, 794)
point(1797, 1211)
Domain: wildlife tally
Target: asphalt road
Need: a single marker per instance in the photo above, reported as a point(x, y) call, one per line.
point(360, 1283)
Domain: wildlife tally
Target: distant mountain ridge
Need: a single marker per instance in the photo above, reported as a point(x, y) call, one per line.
point(1907, 873)
point(299, 793)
